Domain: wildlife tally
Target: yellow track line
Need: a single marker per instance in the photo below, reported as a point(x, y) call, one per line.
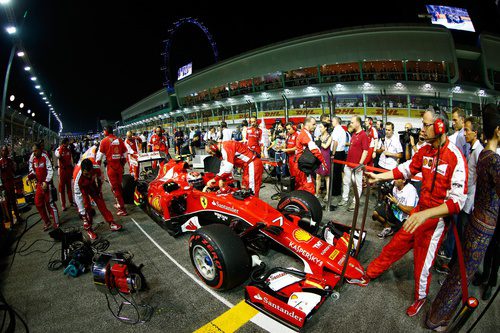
point(230, 320)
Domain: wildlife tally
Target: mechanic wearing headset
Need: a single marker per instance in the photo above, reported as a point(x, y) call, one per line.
point(236, 154)
point(254, 136)
point(88, 184)
point(65, 159)
point(443, 193)
point(113, 150)
point(305, 140)
point(133, 144)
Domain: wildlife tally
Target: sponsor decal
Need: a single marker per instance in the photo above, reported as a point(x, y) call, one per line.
point(326, 250)
point(318, 245)
point(258, 297)
point(278, 220)
point(345, 111)
point(301, 236)
point(289, 313)
point(191, 225)
point(155, 203)
point(229, 208)
point(301, 251)
point(441, 169)
point(428, 162)
point(390, 112)
point(204, 202)
point(334, 254)
point(220, 216)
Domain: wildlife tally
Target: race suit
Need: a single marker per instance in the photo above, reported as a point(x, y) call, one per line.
point(133, 148)
point(40, 169)
point(90, 188)
point(292, 163)
point(237, 154)
point(373, 137)
point(91, 154)
point(254, 135)
point(65, 174)
point(7, 173)
point(114, 151)
point(302, 181)
point(450, 187)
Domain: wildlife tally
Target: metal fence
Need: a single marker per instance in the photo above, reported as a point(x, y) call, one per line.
point(21, 132)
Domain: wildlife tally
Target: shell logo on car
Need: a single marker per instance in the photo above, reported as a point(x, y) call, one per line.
point(301, 235)
point(155, 203)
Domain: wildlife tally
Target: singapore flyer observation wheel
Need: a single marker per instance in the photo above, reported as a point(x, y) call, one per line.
point(168, 45)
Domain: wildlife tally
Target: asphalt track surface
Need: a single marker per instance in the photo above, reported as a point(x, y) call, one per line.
point(49, 301)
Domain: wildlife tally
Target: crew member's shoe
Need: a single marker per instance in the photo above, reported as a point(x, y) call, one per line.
point(113, 226)
point(121, 212)
point(351, 207)
point(385, 233)
point(46, 226)
point(92, 235)
point(116, 205)
point(342, 203)
point(414, 309)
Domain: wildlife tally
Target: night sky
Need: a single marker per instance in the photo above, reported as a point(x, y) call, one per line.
point(96, 58)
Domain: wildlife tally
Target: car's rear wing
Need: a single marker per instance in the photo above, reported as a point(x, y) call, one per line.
point(151, 156)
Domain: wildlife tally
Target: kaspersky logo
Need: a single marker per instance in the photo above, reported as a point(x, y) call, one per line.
point(286, 312)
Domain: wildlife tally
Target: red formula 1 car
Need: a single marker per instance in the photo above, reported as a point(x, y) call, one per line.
point(231, 228)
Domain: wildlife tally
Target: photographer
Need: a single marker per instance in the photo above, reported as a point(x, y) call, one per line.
point(400, 199)
point(408, 137)
point(278, 144)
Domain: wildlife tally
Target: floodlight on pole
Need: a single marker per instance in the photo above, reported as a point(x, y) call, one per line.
point(33, 114)
point(27, 68)
point(11, 30)
point(4, 2)
point(20, 54)
point(29, 111)
point(33, 78)
point(38, 87)
point(21, 105)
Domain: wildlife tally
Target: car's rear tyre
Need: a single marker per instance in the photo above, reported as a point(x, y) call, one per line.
point(304, 205)
point(128, 187)
point(219, 257)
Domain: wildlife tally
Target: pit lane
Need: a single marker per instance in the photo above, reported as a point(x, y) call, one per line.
point(50, 301)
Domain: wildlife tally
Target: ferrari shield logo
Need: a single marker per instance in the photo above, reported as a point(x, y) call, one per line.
point(204, 202)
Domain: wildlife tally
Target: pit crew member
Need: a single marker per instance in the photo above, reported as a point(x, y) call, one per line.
point(113, 150)
point(88, 184)
point(7, 173)
point(443, 193)
point(254, 136)
point(291, 149)
point(40, 168)
point(133, 144)
point(65, 161)
point(236, 154)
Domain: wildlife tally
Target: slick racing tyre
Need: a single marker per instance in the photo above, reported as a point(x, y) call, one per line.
point(219, 257)
point(306, 206)
point(128, 186)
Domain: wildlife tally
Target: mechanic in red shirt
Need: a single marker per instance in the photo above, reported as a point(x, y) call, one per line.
point(236, 154)
point(65, 158)
point(290, 148)
point(113, 150)
point(254, 136)
point(133, 144)
point(7, 174)
point(443, 193)
point(373, 138)
point(88, 184)
point(158, 142)
point(358, 154)
point(40, 169)
point(304, 139)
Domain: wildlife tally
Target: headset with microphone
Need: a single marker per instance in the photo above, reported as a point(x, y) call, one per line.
point(214, 147)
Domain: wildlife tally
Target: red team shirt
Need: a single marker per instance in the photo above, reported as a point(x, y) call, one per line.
point(254, 135)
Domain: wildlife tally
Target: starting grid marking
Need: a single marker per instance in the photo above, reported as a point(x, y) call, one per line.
point(236, 316)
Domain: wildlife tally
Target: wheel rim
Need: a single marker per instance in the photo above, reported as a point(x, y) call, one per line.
point(204, 262)
point(294, 209)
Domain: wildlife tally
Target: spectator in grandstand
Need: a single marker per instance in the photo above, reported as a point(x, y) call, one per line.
point(338, 152)
point(112, 150)
point(144, 142)
point(479, 234)
point(390, 149)
point(237, 135)
point(324, 143)
point(458, 137)
point(226, 132)
point(396, 207)
point(179, 140)
point(372, 134)
point(65, 172)
point(358, 153)
point(305, 141)
point(290, 149)
point(254, 136)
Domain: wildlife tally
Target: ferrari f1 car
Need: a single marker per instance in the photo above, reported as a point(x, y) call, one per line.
point(231, 228)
